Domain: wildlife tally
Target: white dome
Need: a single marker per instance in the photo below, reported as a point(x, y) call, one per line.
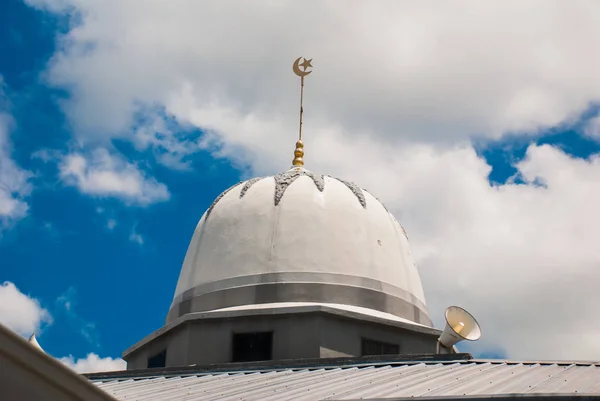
point(299, 237)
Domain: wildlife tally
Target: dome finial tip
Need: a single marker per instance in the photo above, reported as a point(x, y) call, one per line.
point(299, 151)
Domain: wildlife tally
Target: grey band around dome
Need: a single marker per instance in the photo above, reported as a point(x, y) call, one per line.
point(301, 287)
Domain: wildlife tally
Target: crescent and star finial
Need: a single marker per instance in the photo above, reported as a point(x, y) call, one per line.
point(306, 64)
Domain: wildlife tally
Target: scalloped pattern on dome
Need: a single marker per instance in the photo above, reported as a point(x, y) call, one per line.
point(212, 205)
point(356, 190)
point(248, 184)
point(287, 178)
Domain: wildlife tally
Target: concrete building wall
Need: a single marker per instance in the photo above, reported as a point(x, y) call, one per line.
point(205, 341)
point(176, 342)
point(294, 336)
point(341, 336)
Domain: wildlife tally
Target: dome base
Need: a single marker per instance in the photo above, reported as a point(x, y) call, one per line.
point(301, 287)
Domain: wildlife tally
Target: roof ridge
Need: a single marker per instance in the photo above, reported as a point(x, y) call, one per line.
point(289, 364)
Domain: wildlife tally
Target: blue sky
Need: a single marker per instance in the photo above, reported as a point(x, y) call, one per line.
point(119, 289)
point(104, 264)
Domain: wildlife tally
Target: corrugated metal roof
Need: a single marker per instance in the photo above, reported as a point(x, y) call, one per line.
point(411, 379)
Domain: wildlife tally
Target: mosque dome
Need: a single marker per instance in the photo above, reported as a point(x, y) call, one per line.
point(299, 237)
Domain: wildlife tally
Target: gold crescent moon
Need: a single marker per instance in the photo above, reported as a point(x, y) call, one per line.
point(297, 69)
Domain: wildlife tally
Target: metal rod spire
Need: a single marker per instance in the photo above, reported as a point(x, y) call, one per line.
point(299, 151)
point(301, 108)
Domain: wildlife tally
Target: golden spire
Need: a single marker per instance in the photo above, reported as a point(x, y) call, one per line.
point(299, 151)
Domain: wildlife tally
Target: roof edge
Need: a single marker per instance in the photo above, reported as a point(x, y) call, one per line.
point(312, 363)
point(497, 397)
point(33, 362)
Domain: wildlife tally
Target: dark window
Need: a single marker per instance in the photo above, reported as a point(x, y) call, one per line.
point(372, 347)
point(158, 360)
point(249, 347)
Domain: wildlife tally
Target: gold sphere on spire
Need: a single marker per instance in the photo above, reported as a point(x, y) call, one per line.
point(298, 154)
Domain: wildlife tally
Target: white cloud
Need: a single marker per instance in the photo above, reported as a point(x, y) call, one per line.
point(592, 127)
point(46, 155)
point(24, 315)
point(137, 238)
point(14, 181)
point(397, 90)
point(67, 301)
point(170, 146)
point(103, 174)
point(20, 312)
point(93, 363)
point(111, 224)
point(520, 257)
point(419, 70)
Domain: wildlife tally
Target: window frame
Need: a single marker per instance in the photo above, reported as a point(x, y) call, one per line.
point(238, 355)
point(386, 348)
